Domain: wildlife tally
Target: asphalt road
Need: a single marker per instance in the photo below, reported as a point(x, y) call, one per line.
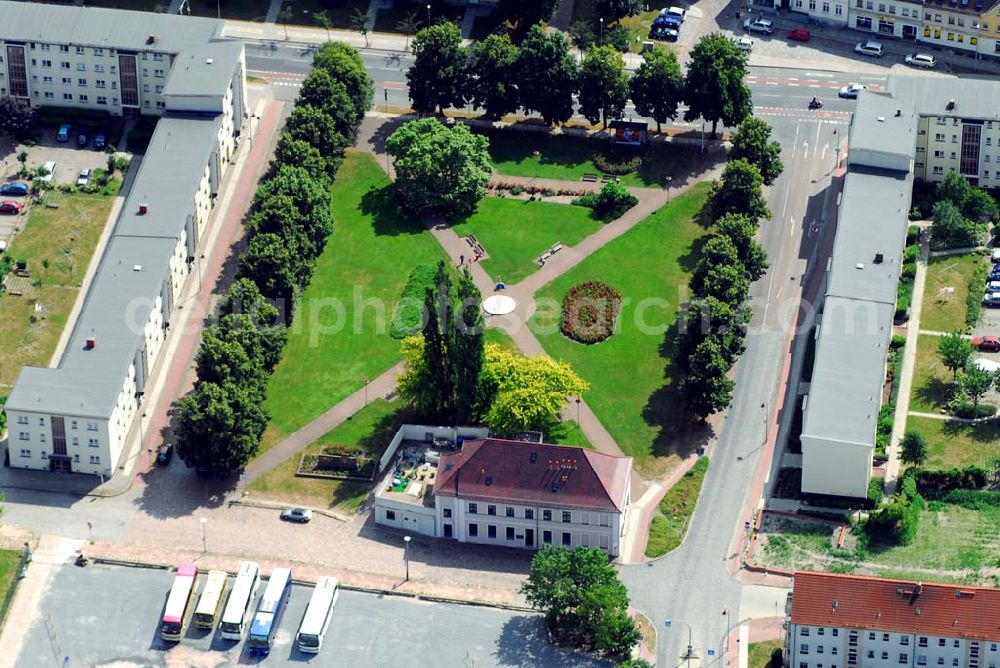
point(103, 616)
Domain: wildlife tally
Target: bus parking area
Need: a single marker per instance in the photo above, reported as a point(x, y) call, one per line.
point(110, 615)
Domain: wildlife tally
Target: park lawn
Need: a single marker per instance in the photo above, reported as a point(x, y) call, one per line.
point(759, 653)
point(369, 430)
point(673, 513)
point(638, 29)
point(957, 444)
point(9, 561)
point(946, 311)
point(632, 387)
point(569, 433)
point(67, 237)
point(243, 10)
point(515, 232)
point(932, 382)
point(499, 337)
point(568, 158)
point(361, 272)
point(340, 13)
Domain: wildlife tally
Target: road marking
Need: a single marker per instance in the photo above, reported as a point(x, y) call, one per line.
point(816, 143)
point(805, 150)
point(791, 85)
point(819, 74)
point(784, 205)
point(793, 78)
point(791, 229)
point(771, 83)
point(823, 155)
point(815, 86)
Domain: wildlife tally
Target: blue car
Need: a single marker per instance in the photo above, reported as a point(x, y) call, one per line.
point(667, 21)
point(62, 135)
point(15, 188)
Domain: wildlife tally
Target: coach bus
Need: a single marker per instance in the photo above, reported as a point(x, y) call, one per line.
point(240, 603)
point(210, 603)
point(318, 614)
point(268, 616)
point(178, 602)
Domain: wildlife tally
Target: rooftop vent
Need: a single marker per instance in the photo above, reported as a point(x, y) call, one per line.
point(555, 486)
point(834, 604)
point(489, 480)
point(950, 105)
point(965, 593)
point(136, 267)
point(209, 61)
point(879, 257)
point(881, 119)
point(151, 39)
point(860, 265)
point(534, 457)
point(91, 343)
point(899, 112)
point(143, 209)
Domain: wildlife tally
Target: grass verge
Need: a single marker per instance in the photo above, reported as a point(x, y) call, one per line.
point(955, 444)
point(931, 380)
point(945, 292)
point(632, 386)
point(304, 11)
point(670, 523)
point(759, 653)
point(515, 232)
point(9, 560)
point(340, 335)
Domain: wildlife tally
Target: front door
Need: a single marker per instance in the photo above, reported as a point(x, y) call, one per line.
point(447, 531)
point(529, 537)
point(60, 464)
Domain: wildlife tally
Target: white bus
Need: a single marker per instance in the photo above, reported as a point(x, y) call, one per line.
point(240, 603)
point(318, 615)
point(272, 604)
point(178, 602)
point(211, 600)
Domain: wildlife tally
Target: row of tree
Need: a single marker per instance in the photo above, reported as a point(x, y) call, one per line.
point(542, 75)
point(453, 377)
point(960, 213)
point(713, 329)
point(221, 421)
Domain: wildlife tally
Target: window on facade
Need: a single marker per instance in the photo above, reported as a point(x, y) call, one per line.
point(76, 441)
point(91, 426)
point(835, 632)
point(812, 5)
point(938, 169)
point(547, 537)
point(567, 517)
point(566, 539)
point(871, 654)
point(23, 436)
point(955, 643)
point(922, 660)
point(938, 154)
point(44, 47)
point(47, 80)
point(447, 512)
point(94, 459)
point(904, 640)
point(157, 56)
point(821, 631)
point(954, 661)
point(390, 515)
point(892, 9)
point(871, 636)
point(64, 48)
point(84, 98)
point(491, 510)
point(881, 7)
point(473, 508)
point(81, 82)
point(510, 533)
point(22, 419)
point(885, 655)
point(903, 657)
point(67, 96)
point(803, 664)
point(509, 511)
point(98, 52)
point(993, 645)
point(158, 74)
point(46, 63)
point(838, 10)
point(81, 67)
point(100, 83)
point(48, 94)
point(803, 648)
point(885, 637)
point(833, 650)
point(940, 661)
point(92, 442)
point(819, 649)
point(26, 453)
point(159, 89)
point(473, 529)
point(491, 531)
point(546, 515)
point(922, 641)
point(804, 631)
point(826, 7)
point(529, 513)
point(64, 65)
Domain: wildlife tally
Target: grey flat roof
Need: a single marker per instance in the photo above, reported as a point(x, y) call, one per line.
point(106, 28)
point(875, 125)
point(204, 70)
point(846, 389)
point(974, 97)
point(872, 219)
point(169, 176)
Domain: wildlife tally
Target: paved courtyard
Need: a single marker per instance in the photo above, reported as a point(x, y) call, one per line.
point(104, 615)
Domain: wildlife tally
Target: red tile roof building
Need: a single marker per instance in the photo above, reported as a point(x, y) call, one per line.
point(851, 621)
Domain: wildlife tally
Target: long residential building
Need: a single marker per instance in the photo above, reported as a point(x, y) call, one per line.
point(78, 415)
point(851, 621)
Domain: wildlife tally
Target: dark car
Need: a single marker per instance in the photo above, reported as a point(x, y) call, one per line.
point(100, 139)
point(667, 21)
point(82, 138)
point(300, 515)
point(666, 33)
point(15, 189)
point(799, 35)
point(10, 206)
point(164, 454)
point(987, 343)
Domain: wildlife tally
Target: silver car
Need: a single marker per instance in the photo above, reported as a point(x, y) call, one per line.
point(923, 60)
point(869, 48)
point(759, 25)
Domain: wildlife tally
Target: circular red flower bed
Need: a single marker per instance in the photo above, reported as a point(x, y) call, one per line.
point(590, 311)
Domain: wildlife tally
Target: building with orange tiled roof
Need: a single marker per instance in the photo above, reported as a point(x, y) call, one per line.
point(852, 621)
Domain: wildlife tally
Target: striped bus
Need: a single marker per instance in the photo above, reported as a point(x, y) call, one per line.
point(178, 602)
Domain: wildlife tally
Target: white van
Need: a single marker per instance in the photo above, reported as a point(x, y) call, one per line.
point(50, 167)
point(678, 12)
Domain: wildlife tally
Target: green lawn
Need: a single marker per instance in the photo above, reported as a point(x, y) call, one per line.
point(670, 523)
point(9, 560)
point(369, 431)
point(568, 158)
point(759, 653)
point(515, 232)
point(956, 444)
point(569, 433)
point(932, 382)
point(340, 12)
point(632, 389)
point(499, 337)
point(66, 237)
point(388, 19)
point(340, 335)
point(944, 311)
point(244, 10)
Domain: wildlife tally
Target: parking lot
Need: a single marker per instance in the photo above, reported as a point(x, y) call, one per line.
point(106, 615)
point(69, 158)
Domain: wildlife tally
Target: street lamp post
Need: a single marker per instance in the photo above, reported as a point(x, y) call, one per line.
point(204, 539)
point(578, 411)
point(406, 556)
point(767, 421)
point(688, 654)
point(428, 14)
point(366, 392)
point(669, 179)
point(601, 40)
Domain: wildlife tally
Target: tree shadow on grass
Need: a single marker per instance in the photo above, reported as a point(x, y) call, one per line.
point(388, 217)
point(934, 391)
point(689, 260)
point(987, 432)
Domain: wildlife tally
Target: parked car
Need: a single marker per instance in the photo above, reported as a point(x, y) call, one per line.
point(851, 90)
point(62, 135)
point(995, 256)
point(50, 169)
point(799, 35)
point(300, 515)
point(82, 138)
point(84, 177)
point(15, 189)
point(678, 12)
point(992, 286)
point(744, 44)
point(668, 21)
point(991, 299)
point(924, 60)
point(11, 206)
point(994, 275)
point(165, 452)
point(3, 245)
point(987, 343)
point(869, 48)
point(664, 32)
point(100, 139)
point(759, 25)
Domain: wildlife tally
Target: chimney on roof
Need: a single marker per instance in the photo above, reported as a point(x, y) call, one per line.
point(899, 112)
point(151, 39)
point(143, 208)
point(879, 257)
point(915, 594)
point(90, 344)
point(951, 104)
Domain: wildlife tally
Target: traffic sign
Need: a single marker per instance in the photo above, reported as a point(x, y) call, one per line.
point(711, 652)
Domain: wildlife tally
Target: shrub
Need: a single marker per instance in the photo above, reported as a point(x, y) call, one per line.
point(516, 189)
point(590, 311)
point(876, 492)
point(618, 161)
point(618, 37)
point(610, 203)
point(943, 480)
point(912, 253)
point(970, 411)
point(913, 232)
point(973, 302)
point(897, 342)
point(549, 192)
point(409, 316)
point(896, 522)
point(909, 271)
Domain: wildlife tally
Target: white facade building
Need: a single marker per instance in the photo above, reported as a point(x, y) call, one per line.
point(847, 621)
point(78, 415)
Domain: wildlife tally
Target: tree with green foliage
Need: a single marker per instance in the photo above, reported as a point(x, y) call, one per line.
point(719, 272)
point(493, 85)
point(280, 215)
point(219, 427)
point(438, 77)
point(976, 205)
point(275, 268)
point(409, 25)
point(613, 10)
point(610, 202)
point(914, 448)
point(953, 188)
point(707, 386)
point(344, 63)
point(310, 196)
point(221, 359)
point(955, 352)
point(752, 142)
point(740, 229)
point(707, 317)
point(17, 116)
point(243, 306)
point(546, 75)
point(317, 128)
point(321, 91)
point(603, 85)
point(714, 87)
point(440, 168)
point(358, 22)
point(895, 523)
point(951, 229)
point(299, 153)
point(464, 341)
point(582, 600)
point(323, 20)
point(974, 382)
point(657, 87)
point(522, 13)
point(739, 190)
